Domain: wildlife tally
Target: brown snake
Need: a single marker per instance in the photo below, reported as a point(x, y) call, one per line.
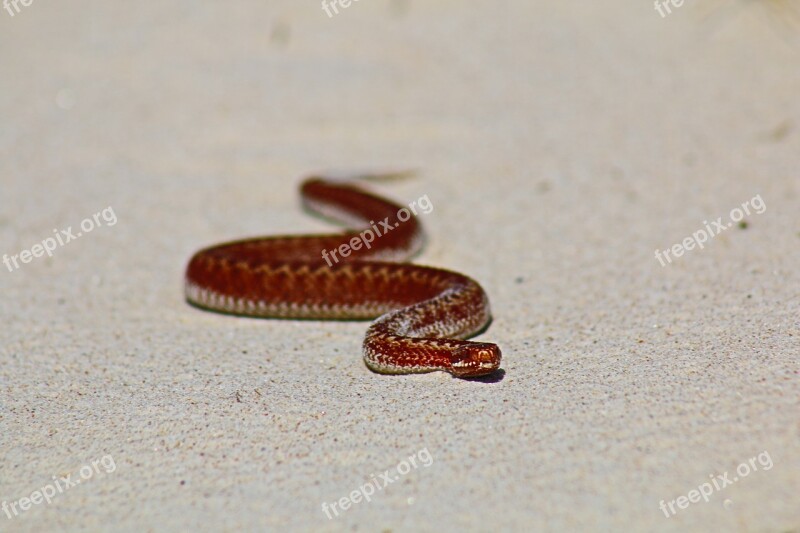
point(422, 313)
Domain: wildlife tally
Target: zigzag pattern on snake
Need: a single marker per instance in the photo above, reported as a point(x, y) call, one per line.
point(422, 314)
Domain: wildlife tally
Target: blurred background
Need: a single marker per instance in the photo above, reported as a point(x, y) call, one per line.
point(560, 144)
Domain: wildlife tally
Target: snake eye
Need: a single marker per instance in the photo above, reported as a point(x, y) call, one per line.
point(485, 357)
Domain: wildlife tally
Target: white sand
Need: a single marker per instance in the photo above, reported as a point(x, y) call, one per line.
point(560, 146)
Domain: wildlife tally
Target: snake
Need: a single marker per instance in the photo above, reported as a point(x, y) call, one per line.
point(421, 316)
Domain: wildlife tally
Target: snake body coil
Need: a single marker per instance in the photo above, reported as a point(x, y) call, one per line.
point(422, 314)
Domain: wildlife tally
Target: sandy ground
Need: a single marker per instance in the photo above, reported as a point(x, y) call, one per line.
point(560, 146)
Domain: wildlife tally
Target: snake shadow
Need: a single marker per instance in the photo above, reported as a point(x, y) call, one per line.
point(495, 377)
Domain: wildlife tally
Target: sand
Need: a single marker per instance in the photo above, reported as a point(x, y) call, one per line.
point(561, 146)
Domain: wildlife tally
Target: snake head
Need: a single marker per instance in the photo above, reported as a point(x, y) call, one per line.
point(475, 359)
